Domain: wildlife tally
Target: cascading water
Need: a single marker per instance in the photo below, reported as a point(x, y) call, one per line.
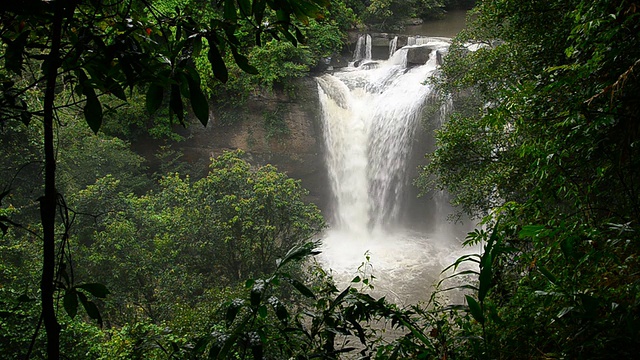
point(393, 46)
point(363, 48)
point(370, 116)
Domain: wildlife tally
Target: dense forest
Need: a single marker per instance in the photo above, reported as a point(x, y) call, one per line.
point(103, 257)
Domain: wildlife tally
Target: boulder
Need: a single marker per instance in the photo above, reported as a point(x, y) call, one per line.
point(418, 55)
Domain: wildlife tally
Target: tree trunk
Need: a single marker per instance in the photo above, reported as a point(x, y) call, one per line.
point(48, 201)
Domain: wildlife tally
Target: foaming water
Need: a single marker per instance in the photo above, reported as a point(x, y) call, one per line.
point(406, 264)
point(370, 116)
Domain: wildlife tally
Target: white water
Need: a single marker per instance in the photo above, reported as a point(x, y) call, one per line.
point(393, 46)
point(363, 48)
point(370, 116)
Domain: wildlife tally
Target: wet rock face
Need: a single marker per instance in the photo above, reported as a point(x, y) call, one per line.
point(418, 55)
point(297, 150)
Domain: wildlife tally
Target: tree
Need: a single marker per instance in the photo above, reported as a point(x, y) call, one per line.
point(546, 138)
point(100, 48)
point(189, 237)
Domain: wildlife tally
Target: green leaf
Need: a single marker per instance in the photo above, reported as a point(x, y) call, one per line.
point(299, 252)
point(217, 63)
point(199, 102)
point(92, 110)
point(299, 36)
point(155, 94)
point(115, 89)
point(262, 311)
point(568, 249)
point(547, 274)
point(232, 311)
point(95, 289)
point(249, 283)
point(91, 308)
point(281, 313)
point(70, 303)
point(3, 226)
point(230, 11)
point(256, 293)
point(175, 102)
point(485, 275)
point(245, 7)
point(14, 51)
point(228, 345)
point(197, 46)
point(283, 16)
point(471, 258)
point(290, 37)
point(258, 8)
point(475, 309)
point(493, 315)
point(530, 230)
point(302, 288)
point(243, 62)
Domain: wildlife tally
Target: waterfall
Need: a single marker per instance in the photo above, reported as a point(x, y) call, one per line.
point(393, 44)
point(363, 48)
point(370, 116)
point(419, 40)
point(369, 119)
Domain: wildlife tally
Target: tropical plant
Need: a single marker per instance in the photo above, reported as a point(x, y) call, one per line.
point(543, 137)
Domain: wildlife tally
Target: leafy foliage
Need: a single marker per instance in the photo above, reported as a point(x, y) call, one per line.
point(542, 138)
point(188, 237)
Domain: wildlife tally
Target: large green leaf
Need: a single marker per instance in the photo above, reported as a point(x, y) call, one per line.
point(230, 11)
point(232, 311)
point(245, 7)
point(475, 309)
point(303, 289)
point(155, 94)
point(13, 53)
point(70, 302)
point(92, 110)
point(199, 102)
point(486, 273)
point(243, 62)
point(175, 102)
point(258, 8)
point(95, 289)
point(91, 308)
point(217, 63)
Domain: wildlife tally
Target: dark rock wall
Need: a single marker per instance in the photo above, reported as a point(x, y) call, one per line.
point(298, 153)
